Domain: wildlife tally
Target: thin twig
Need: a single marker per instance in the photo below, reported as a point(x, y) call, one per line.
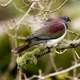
point(6, 4)
point(20, 21)
point(17, 8)
point(40, 5)
point(78, 57)
point(75, 62)
point(49, 10)
point(60, 6)
point(51, 56)
point(73, 33)
point(56, 73)
point(69, 44)
point(23, 17)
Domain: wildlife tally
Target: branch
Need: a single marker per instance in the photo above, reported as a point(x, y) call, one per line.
point(69, 44)
point(60, 6)
point(45, 49)
point(4, 4)
point(30, 58)
point(56, 73)
point(24, 16)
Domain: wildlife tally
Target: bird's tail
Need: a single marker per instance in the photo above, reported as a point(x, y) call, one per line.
point(30, 43)
point(21, 48)
point(29, 38)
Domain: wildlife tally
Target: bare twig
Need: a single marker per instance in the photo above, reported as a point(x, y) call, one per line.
point(63, 46)
point(69, 44)
point(60, 6)
point(56, 73)
point(6, 3)
point(54, 10)
point(78, 57)
point(19, 22)
point(76, 34)
point(75, 62)
point(17, 8)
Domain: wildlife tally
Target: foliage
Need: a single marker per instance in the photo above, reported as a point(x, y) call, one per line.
point(19, 19)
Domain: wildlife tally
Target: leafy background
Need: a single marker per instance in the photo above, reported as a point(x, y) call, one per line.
point(11, 14)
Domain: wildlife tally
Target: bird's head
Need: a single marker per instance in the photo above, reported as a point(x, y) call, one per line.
point(65, 18)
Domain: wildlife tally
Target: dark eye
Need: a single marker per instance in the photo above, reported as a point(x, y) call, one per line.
point(65, 18)
point(68, 19)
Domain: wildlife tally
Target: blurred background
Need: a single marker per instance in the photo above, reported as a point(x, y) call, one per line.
point(11, 12)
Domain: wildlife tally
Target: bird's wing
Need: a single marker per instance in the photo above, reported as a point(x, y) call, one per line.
point(46, 33)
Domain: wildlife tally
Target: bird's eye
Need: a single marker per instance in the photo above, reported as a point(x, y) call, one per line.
point(65, 18)
point(68, 19)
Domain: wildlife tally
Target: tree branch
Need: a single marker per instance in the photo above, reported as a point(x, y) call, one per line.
point(45, 49)
point(68, 44)
point(56, 73)
point(41, 50)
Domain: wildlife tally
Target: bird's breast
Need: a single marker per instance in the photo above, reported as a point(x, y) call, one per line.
point(55, 27)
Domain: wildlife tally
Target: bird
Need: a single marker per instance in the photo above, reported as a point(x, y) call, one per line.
point(52, 30)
